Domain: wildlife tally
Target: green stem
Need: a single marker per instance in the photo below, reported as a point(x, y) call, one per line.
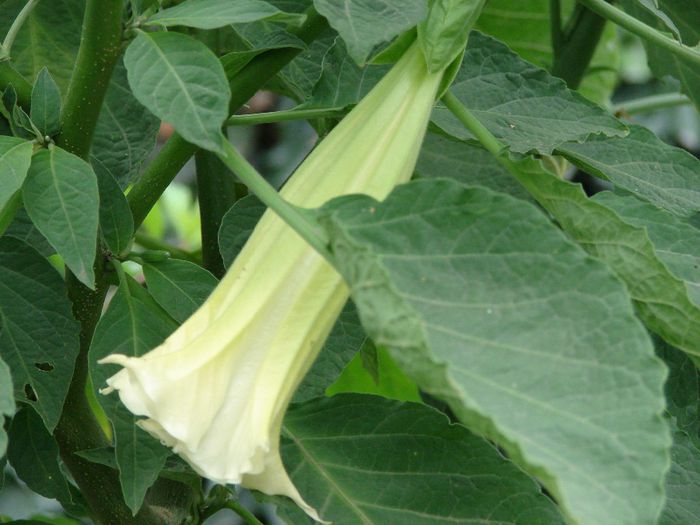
point(574, 51)
point(651, 103)
point(282, 116)
point(306, 227)
point(151, 243)
point(244, 513)
point(643, 30)
point(6, 48)
point(176, 152)
point(9, 76)
point(217, 191)
point(482, 134)
point(556, 33)
point(100, 47)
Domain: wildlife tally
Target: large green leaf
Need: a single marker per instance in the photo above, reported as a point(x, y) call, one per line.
point(342, 82)
point(62, 199)
point(49, 38)
point(181, 81)
point(33, 453)
point(7, 408)
point(15, 157)
point(125, 133)
point(521, 104)
point(642, 164)
point(532, 343)
point(364, 24)
point(683, 480)
point(685, 14)
point(470, 164)
point(180, 287)
point(39, 337)
point(527, 31)
point(677, 243)
point(661, 298)
point(132, 325)
point(210, 14)
point(364, 459)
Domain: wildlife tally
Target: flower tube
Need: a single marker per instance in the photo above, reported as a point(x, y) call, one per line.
point(217, 389)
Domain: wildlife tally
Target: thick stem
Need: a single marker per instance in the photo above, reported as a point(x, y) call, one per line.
point(6, 49)
point(10, 76)
point(159, 173)
point(100, 48)
point(306, 227)
point(217, 191)
point(639, 28)
point(575, 48)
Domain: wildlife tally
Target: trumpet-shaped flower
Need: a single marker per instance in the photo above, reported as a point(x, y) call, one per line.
point(217, 389)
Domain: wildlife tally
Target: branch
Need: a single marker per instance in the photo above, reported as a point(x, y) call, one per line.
point(650, 103)
point(639, 28)
point(100, 48)
point(6, 48)
point(574, 48)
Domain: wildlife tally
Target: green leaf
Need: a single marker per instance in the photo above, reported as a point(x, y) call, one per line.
point(33, 453)
point(344, 342)
point(532, 343)
point(132, 325)
point(182, 82)
point(364, 24)
point(443, 35)
point(364, 459)
point(522, 105)
point(49, 38)
point(211, 14)
point(46, 104)
point(237, 225)
point(62, 199)
point(685, 15)
point(7, 408)
point(301, 75)
point(661, 298)
point(375, 372)
point(442, 156)
point(180, 287)
point(644, 165)
point(683, 480)
point(125, 134)
point(676, 242)
point(15, 157)
point(116, 221)
point(38, 337)
point(342, 82)
point(527, 31)
point(23, 228)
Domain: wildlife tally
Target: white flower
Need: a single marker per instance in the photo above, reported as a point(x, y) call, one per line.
point(217, 389)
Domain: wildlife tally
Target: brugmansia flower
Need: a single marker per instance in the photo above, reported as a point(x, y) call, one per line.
point(217, 389)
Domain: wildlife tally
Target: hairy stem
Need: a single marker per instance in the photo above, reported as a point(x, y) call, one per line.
point(639, 28)
point(100, 47)
point(159, 173)
point(575, 47)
